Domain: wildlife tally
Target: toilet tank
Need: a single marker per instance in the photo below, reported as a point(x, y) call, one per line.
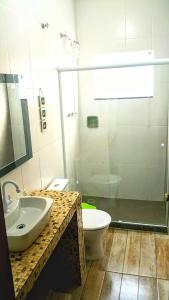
point(59, 185)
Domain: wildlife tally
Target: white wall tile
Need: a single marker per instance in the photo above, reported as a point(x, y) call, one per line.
point(32, 120)
point(138, 19)
point(31, 174)
point(160, 45)
point(15, 175)
point(158, 109)
point(132, 112)
point(155, 182)
point(129, 145)
point(160, 11)
point(133, 182)
point(4, 57)
point(138, 44)
point(111, 14)
point(138, 27)
point(18, 49)
point(156, 144)
point(48, 164)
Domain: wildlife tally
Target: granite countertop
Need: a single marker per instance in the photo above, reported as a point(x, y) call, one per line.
point(27, 265)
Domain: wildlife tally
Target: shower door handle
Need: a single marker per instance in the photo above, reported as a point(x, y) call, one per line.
point(166, 197)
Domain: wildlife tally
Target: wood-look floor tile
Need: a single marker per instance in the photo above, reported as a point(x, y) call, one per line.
point(161, 236)
point(147, 289)
point(58, 296)
point(163, 289)
point(144, 254)
point(93, 285)
point(88, 266)
point(129, 287)
point(148, 255)
point(162, 255)
point(111, 286)
point(132, 254)
point(77, 292)
point(116, 259)
point(49, 295)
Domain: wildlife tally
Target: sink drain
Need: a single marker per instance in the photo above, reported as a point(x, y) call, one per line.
point(20, 226)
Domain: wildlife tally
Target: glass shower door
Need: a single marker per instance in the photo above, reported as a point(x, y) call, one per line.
point(121, 164)
point(139, 149)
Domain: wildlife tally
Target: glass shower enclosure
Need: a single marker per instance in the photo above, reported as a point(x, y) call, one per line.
point(121, 162)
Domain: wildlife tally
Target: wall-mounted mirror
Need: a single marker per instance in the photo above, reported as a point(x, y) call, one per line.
point(15, 139)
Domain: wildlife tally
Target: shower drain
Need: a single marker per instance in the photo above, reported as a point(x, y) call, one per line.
point(91, 201)
point(20, 226)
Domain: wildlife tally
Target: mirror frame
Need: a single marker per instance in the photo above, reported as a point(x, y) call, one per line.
point(28, 145)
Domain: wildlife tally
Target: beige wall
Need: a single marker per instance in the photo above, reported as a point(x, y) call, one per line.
point(26, 48)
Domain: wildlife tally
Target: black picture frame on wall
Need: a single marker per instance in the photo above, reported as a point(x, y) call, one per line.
point(28, 145)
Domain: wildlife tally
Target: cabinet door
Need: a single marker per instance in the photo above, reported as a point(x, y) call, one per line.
point(6, 281)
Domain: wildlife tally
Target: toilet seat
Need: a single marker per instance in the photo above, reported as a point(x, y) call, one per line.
point(94, 219)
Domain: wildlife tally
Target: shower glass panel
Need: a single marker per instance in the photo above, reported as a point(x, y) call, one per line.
point(121, 165)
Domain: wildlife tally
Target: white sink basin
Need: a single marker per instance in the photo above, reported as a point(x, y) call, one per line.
point(25, 220)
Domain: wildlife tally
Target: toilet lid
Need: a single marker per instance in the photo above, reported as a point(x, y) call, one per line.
point(95, 219)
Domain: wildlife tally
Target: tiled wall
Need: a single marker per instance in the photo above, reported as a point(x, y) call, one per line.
point(128, 140)
point(26, 48)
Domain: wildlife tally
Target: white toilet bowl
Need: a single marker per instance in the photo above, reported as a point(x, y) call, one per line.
point(95, 224)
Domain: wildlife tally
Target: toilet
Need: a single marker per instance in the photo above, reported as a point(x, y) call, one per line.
point(95, 223)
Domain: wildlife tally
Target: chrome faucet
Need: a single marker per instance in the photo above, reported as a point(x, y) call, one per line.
point(4, 199)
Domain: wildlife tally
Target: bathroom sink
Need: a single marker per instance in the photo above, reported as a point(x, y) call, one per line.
point(25, 220)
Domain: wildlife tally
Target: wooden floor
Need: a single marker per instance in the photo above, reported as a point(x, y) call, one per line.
point(135, 266)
